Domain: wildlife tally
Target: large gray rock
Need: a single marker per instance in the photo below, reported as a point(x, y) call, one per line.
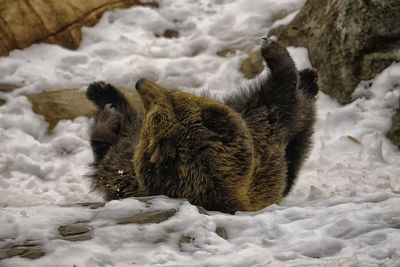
point(348, 41)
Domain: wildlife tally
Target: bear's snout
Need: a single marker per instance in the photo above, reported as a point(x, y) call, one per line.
point(149, 92)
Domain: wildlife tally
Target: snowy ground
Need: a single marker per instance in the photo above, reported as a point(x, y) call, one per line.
point(343, 211)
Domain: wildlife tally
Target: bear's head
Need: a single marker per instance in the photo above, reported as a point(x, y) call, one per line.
point(184, 138)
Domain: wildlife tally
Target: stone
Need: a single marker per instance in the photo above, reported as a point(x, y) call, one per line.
point(33, 253)
point(25, 22)
point(29, 243)
point(9, 245)
point(226, 51)
point(202, 210)
point(185, 240)
point(348, 41)
point(6, 87)
point(68, 104)
point(73, 229)
point(221, 232)
point(77, 238)
point(252, 65)
point(12, 252)
point(148, 217)
point(78, 231)
point(169, 34)
point(160, 240)
point(3, 255)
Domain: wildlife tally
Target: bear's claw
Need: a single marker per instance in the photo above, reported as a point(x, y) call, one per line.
point(102, 93)
point(96, 87)
point(266, 42)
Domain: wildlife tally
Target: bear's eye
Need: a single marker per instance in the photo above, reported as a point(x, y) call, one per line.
point(156, 119)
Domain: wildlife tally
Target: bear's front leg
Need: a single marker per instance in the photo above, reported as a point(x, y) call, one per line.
point(104, 95)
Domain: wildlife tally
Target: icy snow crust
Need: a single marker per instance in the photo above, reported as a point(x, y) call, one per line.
point(343, 211)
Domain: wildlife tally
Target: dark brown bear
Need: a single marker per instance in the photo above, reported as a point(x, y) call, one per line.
point(242, 154)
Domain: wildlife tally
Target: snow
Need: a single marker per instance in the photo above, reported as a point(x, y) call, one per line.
point(343, 211)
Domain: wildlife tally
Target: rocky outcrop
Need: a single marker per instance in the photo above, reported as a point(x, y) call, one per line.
point(25, 22)
point(348, 41)
point(67, 104)
point(59, 105)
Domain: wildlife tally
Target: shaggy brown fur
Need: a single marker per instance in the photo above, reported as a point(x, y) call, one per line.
point(242, 154)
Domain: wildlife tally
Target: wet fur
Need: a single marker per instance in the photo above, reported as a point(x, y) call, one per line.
point(242, 154)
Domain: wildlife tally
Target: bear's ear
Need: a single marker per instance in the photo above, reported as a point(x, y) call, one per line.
point(218, 119)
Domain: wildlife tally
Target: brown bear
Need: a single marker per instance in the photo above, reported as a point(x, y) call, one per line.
point(241, 154)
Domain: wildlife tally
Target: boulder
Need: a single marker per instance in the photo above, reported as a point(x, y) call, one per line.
point(251, 66)
point(67, 104)
point(348, 41)
point(25, 22)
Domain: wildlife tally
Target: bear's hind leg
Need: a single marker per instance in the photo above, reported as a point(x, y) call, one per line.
point(295, 154)
point(302, 127)
point(278, 91)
